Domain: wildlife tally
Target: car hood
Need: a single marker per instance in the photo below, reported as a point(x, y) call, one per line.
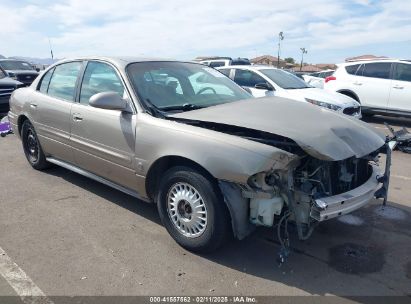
point(7, 81)
point(27, 72)
point(322, 133)
point(325, 96)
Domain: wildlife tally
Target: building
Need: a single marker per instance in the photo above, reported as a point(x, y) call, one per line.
point(270, 60)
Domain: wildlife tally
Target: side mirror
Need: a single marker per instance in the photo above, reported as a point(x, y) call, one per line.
point(108, 100)
point(37, 70)
point(264, 86)
point(248, 90)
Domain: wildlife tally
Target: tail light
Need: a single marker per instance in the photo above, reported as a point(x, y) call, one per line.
point(329, 78)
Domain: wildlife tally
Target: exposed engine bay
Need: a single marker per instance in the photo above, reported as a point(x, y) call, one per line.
point(304, 190)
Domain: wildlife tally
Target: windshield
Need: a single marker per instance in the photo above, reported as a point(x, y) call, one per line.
point(285, 79)
point(179, 86)
point(15, 65)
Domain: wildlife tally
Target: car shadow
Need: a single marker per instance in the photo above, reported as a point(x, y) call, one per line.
point(342, 249)
point(392, 121)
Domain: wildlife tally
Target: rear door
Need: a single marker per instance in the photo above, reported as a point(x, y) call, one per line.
point(400, 96)
point(50, 109)
point(372, 84)
point(103, 140)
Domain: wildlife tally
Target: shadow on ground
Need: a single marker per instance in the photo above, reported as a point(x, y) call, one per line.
point(392, 121)
point(350, 248)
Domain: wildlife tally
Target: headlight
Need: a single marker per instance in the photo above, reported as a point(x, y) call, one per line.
point(324, 104)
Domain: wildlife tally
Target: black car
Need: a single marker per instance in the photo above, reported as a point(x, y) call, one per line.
point(7, 86)
point(19, 70)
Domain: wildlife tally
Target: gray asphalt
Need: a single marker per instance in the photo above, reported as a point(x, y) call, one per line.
point(73, 236)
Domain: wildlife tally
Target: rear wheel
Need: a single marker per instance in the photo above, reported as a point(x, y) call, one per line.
point(192, 210)
point(31, 146)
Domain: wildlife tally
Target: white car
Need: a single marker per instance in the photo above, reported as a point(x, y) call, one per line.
point(380, 86)
point(317, 79)
point(269, 81)
point(225, 61)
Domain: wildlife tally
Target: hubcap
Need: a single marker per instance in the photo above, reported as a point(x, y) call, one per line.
point(32, 146)
point(187, 210)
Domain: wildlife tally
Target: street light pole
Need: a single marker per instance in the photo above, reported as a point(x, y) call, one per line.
point(280, 37)
point(303, 51)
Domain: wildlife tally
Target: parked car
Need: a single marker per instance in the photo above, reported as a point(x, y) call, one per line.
point(215, 162)
point(7, 86)
point(19, 70)
point(380, 86)
point(269, 81)
point(225, 61)
point(317, 79)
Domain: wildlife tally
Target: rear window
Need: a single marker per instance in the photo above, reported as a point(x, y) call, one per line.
point(215, 64)
point(352, 69)
point(403, 72)
point(377, 70)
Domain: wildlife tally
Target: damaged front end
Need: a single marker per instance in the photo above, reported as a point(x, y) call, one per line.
point(307, 191)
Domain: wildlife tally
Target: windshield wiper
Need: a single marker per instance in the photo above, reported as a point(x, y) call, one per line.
point(153, 109)
point(184, 107)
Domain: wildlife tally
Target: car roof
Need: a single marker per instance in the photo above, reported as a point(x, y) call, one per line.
point(121, 61)
point(11, 59)
point(373, 61)
point(250, 67)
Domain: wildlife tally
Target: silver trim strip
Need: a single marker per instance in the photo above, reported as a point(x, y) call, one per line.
point(95, 177)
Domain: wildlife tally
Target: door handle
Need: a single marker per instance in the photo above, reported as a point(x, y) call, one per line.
point(398, 87)
point(77, 117)
point(33, 105)
point(357, 83)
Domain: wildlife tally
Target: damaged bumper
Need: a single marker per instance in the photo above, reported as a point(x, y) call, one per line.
point(376, 186)
point(333, 206)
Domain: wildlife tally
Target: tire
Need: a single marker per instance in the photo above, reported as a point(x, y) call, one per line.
point(194, 200)
point(32, 149)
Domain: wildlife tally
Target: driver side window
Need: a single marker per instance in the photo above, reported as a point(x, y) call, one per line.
point(99, 77)
point(247, 78)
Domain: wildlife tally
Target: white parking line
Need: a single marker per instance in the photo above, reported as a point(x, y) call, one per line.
point(401, 177)
point(20, 281)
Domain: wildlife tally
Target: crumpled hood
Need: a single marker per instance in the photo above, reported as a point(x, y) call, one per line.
point(325, 96)
point(322, 133)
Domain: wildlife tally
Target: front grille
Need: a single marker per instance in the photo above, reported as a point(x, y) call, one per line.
point(4, 103)
point(332, 177)
point(6, 90)
point(26, 78)
point(351, 110)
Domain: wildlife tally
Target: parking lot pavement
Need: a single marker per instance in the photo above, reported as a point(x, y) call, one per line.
point(74, 236)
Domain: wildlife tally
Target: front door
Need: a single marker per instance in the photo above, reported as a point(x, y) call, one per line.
point(103, 140)
point(250, 79)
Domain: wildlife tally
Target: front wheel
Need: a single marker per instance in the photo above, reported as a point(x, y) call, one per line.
point(192, 210)
point(31, 146)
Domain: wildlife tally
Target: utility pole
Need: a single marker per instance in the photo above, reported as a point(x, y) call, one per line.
point(280, 37)
point(303, 51)
point(51, 50)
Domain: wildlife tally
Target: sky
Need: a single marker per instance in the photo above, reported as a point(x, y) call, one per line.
point(184, 29)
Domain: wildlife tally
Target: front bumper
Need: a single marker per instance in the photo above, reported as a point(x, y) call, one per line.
point(376, 186)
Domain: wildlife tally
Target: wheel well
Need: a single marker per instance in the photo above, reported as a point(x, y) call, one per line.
point(160, 166)
point(349, 94)
point(20, 121)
